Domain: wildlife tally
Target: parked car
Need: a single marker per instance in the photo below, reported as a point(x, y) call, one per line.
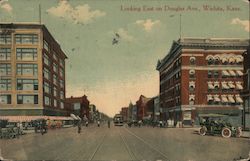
point(217, 124)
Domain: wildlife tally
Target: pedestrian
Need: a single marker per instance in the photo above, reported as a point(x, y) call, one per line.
point(108, 123)
point(86, 123)
point(98, 123)
point(18, 130)
point(79, 126)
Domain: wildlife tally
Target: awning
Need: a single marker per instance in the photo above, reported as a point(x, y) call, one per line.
point(224, 99)
point(209, 98)
point(239, 59)
point(232, 73)
point(224, 86)
point(210, 86)
point(231, 99)
point(216, 84)
point(74, 116)
point(239, 86)
point(225, 73)
point(231, 60)
point(231, 85)
point(216, 98)
point(238, 99)
point(239, 72)
point(224, 59)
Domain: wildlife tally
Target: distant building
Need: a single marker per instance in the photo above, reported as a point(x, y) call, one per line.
point(80, 106)
point(156, 113)
point(246, 91)
point(143, 109)
point(124, 113)
point(201, 75)
point(32, 71)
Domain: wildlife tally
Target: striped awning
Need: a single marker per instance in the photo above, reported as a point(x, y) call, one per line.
point(231, 85)
point(210, 85)
point(32, 118)
point(231, 99)
point(239, 59)
point(238, 99)
point(224, 85)
point(216, 98)
point(209, 98)
point(239, 86)
point(239, 73)
point(224, 99)
point(232, 73)
point(225, 73)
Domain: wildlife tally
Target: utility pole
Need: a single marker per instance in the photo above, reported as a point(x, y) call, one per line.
point(40, 14)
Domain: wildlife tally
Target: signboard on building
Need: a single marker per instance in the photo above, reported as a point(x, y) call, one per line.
point(187, 115)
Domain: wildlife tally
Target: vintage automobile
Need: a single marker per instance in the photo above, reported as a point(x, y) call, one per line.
point(215, 124)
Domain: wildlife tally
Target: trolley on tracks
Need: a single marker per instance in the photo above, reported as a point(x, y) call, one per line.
point(118, 120)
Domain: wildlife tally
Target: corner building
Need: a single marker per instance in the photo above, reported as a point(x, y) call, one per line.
point(201, 76)
point(32, 71)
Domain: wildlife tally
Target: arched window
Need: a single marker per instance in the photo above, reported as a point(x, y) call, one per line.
point(191, 73)
point(210, 59)
point(191, 86)
point(191, 99)
point(192, 60)
point(216, 59)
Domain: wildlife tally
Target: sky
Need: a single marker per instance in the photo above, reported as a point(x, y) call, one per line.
point(112, 75)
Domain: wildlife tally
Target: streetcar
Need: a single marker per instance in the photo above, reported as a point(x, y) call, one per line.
point(118, 120)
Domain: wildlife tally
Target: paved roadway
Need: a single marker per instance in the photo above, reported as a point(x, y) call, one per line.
point(120, 143)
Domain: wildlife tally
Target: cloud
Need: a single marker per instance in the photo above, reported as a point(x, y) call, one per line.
point(79, 14)
point(5, 5)
point(243, 23)
point(124, 35)
point(147, 24)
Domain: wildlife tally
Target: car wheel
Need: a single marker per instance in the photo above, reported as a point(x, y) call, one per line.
point(203, 131)
point(238, 132)
point(226, 132)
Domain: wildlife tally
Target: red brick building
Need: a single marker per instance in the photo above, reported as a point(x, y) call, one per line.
point(124, 112)
point(143, 109)
point(246, 79)
point(201, 76)
point(80, 105)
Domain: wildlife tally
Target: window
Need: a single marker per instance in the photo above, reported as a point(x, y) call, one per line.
point(55, 92)
point(46, 59)
point(47, 101)
point(216, 74)
point(47, 88)
point(61, 72)
point(55, 56)
point(62, 62)
point(55, 67)
point(5, 69)
point(61, 94)
point(5, 53)
point(209, 74)
point(27, 84)
point(26, 38)
point(55, 103)
point(27, 99)
point(61, 83)
point(62, 105)
point(27, 69)
point(192, 60)
point(216, 60)
point(210, 61)
point(191, 86)
point(29, 54)
point(5, 99)
point(192, 73)
point(55, 79)
point(45, 45)
point(191, 99)
point(5, 84)
point(46, 73)
point(5, 39)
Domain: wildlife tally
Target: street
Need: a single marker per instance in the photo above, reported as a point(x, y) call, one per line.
point(123, 143)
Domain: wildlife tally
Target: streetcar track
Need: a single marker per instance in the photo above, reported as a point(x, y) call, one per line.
point(98, 147)
point(148, 144)
point(131, 153)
